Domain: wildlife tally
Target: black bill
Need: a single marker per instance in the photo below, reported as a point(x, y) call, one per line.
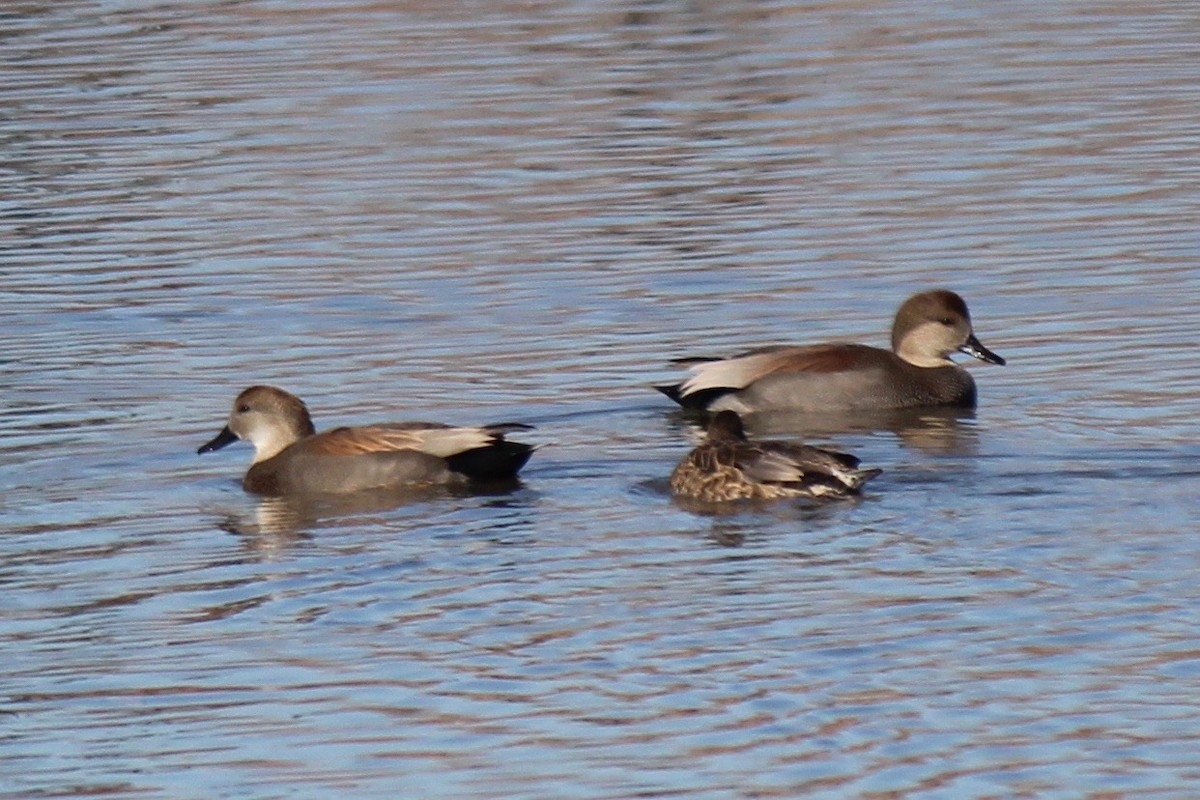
point(975, 348)
point(223, 438)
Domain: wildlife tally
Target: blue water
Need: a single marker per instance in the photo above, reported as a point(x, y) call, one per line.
point(516, 211)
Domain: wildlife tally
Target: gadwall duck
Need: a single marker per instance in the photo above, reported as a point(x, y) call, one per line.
point(292, 458)
point(848, 377)
point(728, 466)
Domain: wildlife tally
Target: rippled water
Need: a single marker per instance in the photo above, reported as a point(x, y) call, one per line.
point(490, 211)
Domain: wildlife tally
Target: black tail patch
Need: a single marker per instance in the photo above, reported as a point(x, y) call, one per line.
point(671, 391)
point(501, 428)
point(697, 401)
point(497, 461)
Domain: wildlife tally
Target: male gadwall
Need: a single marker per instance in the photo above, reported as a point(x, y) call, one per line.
point(848, 377)
point(728, 466)
point(291, 458)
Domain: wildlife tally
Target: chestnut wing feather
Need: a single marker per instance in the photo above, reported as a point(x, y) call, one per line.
point(367, 439)
point(431, 438)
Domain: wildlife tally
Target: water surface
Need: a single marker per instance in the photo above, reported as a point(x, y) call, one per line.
point(490, 211)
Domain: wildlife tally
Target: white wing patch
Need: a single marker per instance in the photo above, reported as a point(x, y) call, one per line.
point(446, 442)
point(729, 373)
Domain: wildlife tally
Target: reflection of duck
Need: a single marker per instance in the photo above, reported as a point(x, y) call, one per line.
point(278, 522)
point(917, 371)
point(940, 431)
point(281, 520)
point(728, 466)
point(291, 458)
point(276, 525)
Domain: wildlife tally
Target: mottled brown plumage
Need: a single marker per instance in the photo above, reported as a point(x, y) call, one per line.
point(727, 466)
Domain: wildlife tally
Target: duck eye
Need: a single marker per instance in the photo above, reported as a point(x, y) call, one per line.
point(243, 409)
point(947, 321)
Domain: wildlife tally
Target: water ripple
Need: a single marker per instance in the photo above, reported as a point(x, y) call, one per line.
point(483, 212)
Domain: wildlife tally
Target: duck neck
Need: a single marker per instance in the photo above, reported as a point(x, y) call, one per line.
point(924, 359)
point(274, 443)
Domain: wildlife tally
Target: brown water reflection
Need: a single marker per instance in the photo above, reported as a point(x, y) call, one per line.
point(276, 521)
point(942, 431)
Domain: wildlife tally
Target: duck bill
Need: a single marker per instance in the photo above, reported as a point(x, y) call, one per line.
point(975, 348)
point(223, 438)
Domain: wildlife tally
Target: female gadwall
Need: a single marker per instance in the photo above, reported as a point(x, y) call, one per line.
point(848, 377)
point(291, 458)
point(730, 467)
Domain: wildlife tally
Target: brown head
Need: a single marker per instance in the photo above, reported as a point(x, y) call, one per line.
point(726, 426)
point(269, 418)
point(931, 325)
